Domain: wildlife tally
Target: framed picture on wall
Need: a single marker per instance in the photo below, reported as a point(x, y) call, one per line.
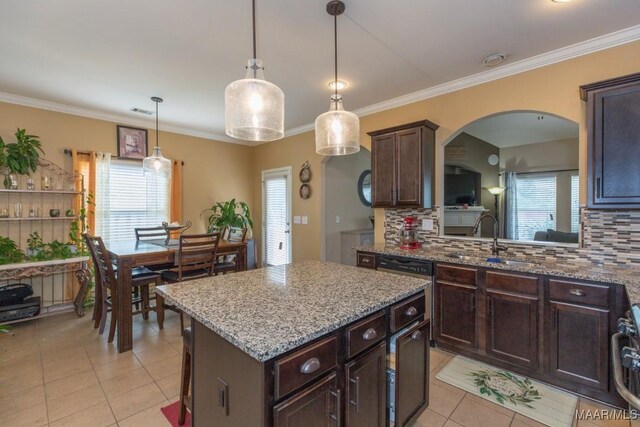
point(132, 142)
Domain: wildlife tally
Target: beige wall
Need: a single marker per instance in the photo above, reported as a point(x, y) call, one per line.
point(553, 89)
point(342, 174)
point(213, 171)
point(541, 156)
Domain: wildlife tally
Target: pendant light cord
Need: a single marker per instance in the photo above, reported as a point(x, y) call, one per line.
point(253, 7)
point(157, 122)
point(335, 57)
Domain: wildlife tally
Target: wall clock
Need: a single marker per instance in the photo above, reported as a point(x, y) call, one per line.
point(305, 172)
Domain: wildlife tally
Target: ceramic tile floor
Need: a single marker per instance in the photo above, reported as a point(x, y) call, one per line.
point(58, 371)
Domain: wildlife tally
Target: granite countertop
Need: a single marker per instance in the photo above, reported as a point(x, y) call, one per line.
point(269, 311)
point(628, 277)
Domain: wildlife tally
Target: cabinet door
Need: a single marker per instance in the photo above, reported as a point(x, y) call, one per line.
point(579, 344)
point(409, 171)
point(614, 152)
point(412, 373)
point(316, 406)
point(366, 389)
point(512, 328)
point(383, 166)
point(455, 314)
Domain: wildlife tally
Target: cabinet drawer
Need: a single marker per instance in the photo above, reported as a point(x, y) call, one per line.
point(304, 365)
point(512, 283)
point(580, 293)
point(407, 311)
point(366, 333)
point(366, 260)
point(462, 275)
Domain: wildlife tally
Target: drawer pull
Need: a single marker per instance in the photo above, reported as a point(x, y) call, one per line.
point(365, 260)
point(369, 334)
point(411, 311)
point(416, 335)
point(310, 366)
point(577, 292)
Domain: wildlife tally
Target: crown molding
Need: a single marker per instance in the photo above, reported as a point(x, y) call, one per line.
point(596, 44)
point(116, 118)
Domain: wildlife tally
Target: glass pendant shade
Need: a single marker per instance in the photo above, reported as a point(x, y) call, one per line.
point(254, 107)
point(337, 130)
point(157, 163)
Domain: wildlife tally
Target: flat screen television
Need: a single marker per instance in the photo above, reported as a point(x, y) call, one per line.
point(461, 186)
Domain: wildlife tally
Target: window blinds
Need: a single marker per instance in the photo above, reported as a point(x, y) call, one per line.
point(135, 200)
point(536, 204)
point(276, 245)
point(575, 203)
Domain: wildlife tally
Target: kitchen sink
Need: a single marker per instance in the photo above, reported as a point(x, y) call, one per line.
point(517, 263)
point(512, 262)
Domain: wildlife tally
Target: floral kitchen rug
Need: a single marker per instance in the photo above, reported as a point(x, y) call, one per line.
point(530, 398)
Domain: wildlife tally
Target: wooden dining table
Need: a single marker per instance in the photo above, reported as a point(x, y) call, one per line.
point(130, 254)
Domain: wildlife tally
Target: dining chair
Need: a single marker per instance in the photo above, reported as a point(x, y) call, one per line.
point(195, 259)
point(150, 233)
point(225, 264)
point(106, 286)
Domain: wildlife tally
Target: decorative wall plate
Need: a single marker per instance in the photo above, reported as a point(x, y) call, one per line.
point(305, 172)
point(305, 191)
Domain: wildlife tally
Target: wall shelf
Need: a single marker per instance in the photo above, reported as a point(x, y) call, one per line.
point(44, 218)
point(4, 190)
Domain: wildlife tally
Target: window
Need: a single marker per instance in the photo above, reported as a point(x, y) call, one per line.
point(276, 200)
point(536, 198)
point(575, 203)
point(131, 200)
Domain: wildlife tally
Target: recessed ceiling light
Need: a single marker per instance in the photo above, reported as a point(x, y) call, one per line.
point(341, 84)
point(561, 1)
point(495, 59)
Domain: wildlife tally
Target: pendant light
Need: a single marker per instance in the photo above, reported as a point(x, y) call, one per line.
point(156, 164)
point(254, 108)
point(337, 130)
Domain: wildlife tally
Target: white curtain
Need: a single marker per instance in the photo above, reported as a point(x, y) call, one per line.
point(103, 165)
point(511, 206)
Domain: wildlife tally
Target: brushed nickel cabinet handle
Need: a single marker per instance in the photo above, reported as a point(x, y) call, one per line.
point(416, 335)
point(338, 413)
point(310, 366)
point(411, 311)
point(577, 292)
point(369, 334)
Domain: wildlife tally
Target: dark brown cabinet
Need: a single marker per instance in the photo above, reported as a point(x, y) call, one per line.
point(317, 406)
point(412, 373)
point(613, 130)
point(455, 306)
point(402, 165)
point(512, 328)
point(578, 344)
point(366, 389)
point(553, 329)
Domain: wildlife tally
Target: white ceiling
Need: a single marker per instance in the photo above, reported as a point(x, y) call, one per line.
point(513, 129)
point(104, 57)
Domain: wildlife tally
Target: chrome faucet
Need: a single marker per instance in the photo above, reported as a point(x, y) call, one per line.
point(495, 248)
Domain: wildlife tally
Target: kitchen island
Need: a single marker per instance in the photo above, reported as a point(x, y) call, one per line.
point(306, 344)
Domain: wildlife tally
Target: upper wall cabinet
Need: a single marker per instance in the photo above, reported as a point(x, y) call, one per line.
point(613, 120)
point(402, 165)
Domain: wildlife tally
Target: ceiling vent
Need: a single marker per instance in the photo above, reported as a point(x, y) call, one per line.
point(141, 111)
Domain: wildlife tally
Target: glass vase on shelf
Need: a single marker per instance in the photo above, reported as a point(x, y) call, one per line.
point(10, 181)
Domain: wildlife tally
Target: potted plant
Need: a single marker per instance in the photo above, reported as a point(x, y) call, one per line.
point(36, 248)
point(9, 251)
point(20, 157)
point(228, 214)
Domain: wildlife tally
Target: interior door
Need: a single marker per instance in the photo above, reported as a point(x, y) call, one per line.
point(276, 216)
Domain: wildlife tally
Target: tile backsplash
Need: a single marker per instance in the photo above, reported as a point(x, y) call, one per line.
point(609, 237)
